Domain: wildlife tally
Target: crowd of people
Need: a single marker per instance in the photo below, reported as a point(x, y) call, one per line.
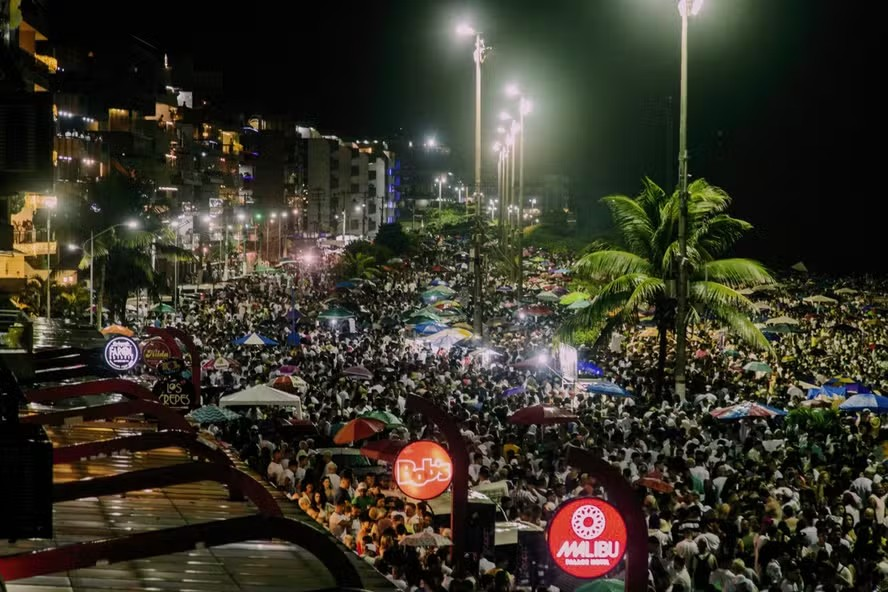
point(794, 503)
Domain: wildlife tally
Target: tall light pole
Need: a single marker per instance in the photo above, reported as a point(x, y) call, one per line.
point(281, 243)
point(685, 8)
point(92, 242)
point(478, 58)
point(524, 107)
point(50, 202)
point(241, 217)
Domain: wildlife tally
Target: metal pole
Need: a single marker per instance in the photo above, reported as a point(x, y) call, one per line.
point(478, 314)
point(682, 292)
point(92, 266)
point(225, 256)
point(244, 248)
point(176, 275)
point(440, 186)
point(48, 265)
point(518, 239)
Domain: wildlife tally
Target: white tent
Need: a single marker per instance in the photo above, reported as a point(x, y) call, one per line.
point(784, 320)
point(820, 299)
point(263, 396)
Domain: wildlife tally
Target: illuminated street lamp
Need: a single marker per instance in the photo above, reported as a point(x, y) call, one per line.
point(685, 7)
point(524, 107)
point(478, 59)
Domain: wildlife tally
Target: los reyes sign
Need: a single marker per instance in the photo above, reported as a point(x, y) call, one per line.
point(587, 537)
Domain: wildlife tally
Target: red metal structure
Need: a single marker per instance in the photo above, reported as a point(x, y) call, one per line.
point(166, 417)
point(174, 540)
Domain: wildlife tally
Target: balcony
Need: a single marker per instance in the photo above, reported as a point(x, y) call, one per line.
point(37, 249)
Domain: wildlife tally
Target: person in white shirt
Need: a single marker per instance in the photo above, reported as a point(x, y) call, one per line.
point(275, 470)
point(331, 474)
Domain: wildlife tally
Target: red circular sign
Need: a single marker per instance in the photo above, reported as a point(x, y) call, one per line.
point(587, 537)
point(155, 352)
point(423, 470)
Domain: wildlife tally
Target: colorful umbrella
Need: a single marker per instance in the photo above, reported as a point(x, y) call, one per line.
point(220, 364)
point(569, 299)
point(386, 417)
point(447, 338)
point(386, 450)
point(289, 384)
point(784, 320)
point(655, 484)
point(513, 391)
point(429, 328)
point(358, 372)
point(536, 311)
point(867, 402)
point(602, 387)
point(162, 308)
point(358, 429)
point(288, 369)
point(335, 314)
point(746, 409)
point(548, 296)
point(542, 415)
point(757, 367)
point(117, 330)
point(254, 339)
point(579, 305)
point(212, 414)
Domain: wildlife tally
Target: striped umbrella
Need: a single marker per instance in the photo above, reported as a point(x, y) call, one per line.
point(745, 410)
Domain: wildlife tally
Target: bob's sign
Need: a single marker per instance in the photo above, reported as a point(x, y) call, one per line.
point(423, 470)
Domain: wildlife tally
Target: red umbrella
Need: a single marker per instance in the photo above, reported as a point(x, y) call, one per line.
point(386, 450)
point(537, 311)
point(542, 415)
point(358, 429)
point(652, 482)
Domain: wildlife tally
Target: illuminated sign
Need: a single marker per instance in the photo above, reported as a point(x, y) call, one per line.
point(423, 470)
point(587, 537)
point(121, 354)
point(155, 352)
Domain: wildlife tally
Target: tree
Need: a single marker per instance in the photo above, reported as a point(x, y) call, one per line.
point(393, 238)
point(642, 270)
point(359, 265)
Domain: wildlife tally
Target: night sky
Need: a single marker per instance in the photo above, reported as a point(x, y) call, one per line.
point(782, 107)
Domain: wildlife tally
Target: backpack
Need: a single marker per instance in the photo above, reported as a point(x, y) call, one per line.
point(706, 564)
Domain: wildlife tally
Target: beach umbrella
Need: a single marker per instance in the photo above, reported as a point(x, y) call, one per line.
point(820, 299)
point(784, 320)
point(536, 311)
point(569, 299)
point(162, 308)
point(827, 391)
point(293, 315)
point(212, 414)
point(289, 383)
point(358, 372)
point(117, 330)
point(465, 326)
point(385, 450)
point(513, 391)
point(655, 484)
point(447, 338)
point(438, 282)
point(731, 353)
point(547, 296)
point(542, 415)
point(579, 305)
point(800, 267)
point(388, 418)
point(254, 339)
point(336, 314)
point(610, 389)
point(757, 367)
point(287, 370)
point(762, 305)
point(293, 339)
point(705, 398)
point(220, 364)
point(345, 285)
point(603, 585)
point(395, 261)
point(866, 402)
point(838, 380)
point(505, 289)
point(745, 410)
point(429, 328)
point(358, 429)
point(426, 539)
point(848, 291)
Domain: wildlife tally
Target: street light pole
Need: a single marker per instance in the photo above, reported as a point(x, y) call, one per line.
point(478, 316)
point(685, 7)
point(48, 265)
point(92, 266)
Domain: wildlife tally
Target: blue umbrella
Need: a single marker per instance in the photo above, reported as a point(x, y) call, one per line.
point(827, 391)
point(294, 339)
point(745, 410)
point(254, 339)
point(504, 289)
point(610, 389)
point(587, 367)
point(429, 328)
point(345, 284)
point(439, 282)
point(871, 402)
point(293, 315)
point(513, 391)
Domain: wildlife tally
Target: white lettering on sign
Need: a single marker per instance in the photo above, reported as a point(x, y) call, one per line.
point(429, 470)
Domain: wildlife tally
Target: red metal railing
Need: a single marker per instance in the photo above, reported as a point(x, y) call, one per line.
point(166, 417)
point(187, 440)
point(127, 388)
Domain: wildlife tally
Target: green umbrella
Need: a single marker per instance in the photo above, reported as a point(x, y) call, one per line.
point(547, 296)
point(389, 419)
point(332, 314)
point(569, 299)
point(731, 353)
point(161, 307)
point(579, 304)
point(603, 585)
point(264, 269)
point(757, 367)
point(424, 314)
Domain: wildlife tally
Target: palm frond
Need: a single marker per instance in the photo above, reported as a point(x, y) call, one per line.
point(717, 234)
point(741, 326)
point(706, 200)
point(647, 291)
point(712, 295)
point(611, 264)
point(735, 272)
point(609, 302)
point(672, 255)
point(633, 223)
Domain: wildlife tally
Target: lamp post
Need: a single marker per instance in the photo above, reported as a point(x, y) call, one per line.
point(241, 217)
point(272, 220)
point(524, 107)
point(50, 202)
point(281, 243)
point(478, 58)
point(225, 254)
point(92, 241)
point(685, 8)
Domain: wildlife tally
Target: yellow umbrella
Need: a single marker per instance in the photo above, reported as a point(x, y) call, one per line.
point(117, 330)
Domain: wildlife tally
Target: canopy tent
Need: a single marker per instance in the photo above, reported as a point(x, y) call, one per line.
point(603, 387)
point(782, 320)
point(820, 299)
point(262, 396)
point(868, 402)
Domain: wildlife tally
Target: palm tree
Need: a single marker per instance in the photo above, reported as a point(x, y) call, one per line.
point(644, 268)
point(360, 265)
